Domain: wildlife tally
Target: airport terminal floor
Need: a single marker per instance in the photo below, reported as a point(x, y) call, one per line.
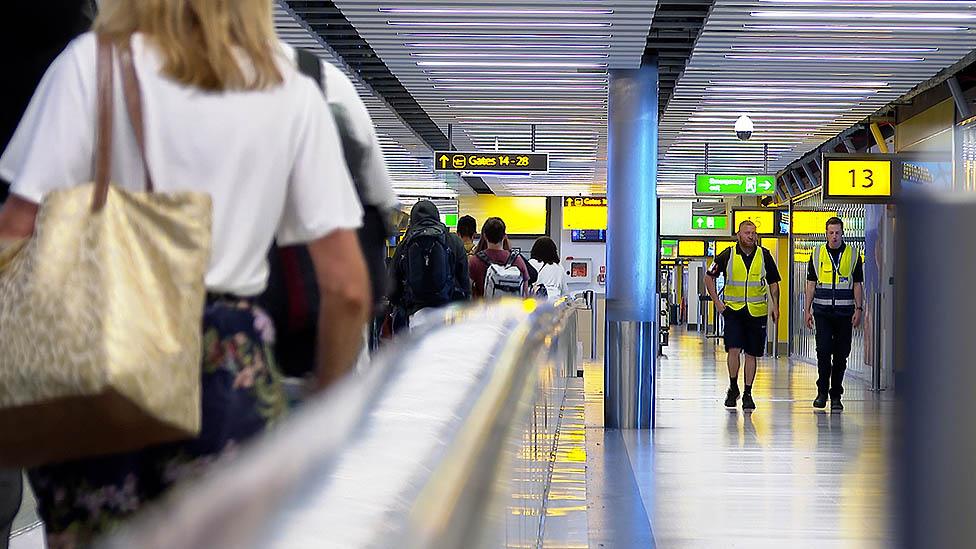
point(784, 475)
point(467, 272)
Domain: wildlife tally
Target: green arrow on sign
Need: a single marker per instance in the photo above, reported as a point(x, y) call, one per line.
point(735, 185)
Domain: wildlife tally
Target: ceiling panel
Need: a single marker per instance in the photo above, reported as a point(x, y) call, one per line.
point(804, 70)
point(407, 155)
point(493, 69)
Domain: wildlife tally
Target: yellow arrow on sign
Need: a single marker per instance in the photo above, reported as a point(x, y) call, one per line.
point(444, 160)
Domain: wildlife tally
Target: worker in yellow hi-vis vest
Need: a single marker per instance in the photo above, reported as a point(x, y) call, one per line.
point(751, 296)
point(834, 304)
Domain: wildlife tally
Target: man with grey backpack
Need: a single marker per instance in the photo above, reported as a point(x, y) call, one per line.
point(496, 271)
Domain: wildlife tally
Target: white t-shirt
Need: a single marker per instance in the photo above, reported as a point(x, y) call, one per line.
point(341, 94)
point(552, 277)
point(270, 159)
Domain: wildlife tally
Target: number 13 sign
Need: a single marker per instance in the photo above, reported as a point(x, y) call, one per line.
point(857, 178)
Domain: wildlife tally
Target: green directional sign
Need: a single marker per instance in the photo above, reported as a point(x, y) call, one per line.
point(708, 222)
point(735, 185)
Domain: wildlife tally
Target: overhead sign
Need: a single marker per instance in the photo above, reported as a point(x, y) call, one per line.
point(523, 215)
point(584, 213)
point(765, 220)
point(709, 215)
point(707, 222)
point(722, 245)
point(669, 248)
point(691, 248)
point(735, 185)
point(490, 161)
point(810, 222)
point(858, 178)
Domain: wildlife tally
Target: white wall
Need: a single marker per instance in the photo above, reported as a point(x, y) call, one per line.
point(597, 251)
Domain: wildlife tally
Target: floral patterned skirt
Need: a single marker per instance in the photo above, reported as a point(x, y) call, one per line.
point(241, 396)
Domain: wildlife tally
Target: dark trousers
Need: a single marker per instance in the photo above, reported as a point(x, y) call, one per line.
point(11, 491)
point(833, 348)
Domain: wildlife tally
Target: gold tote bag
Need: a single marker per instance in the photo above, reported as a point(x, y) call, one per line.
point(100, 310)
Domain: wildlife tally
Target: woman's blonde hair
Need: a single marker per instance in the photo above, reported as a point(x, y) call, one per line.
point(202, 42)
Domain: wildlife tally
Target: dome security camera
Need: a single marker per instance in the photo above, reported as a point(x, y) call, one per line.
point(744, 128)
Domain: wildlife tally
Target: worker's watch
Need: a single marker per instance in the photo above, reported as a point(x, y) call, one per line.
point(859, 308)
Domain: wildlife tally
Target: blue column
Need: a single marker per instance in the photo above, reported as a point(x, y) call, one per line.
point(632, 248)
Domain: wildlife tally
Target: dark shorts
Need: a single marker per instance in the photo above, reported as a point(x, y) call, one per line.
point(744, 331)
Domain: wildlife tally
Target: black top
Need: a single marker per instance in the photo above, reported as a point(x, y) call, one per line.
point(857, 275)
point(722, 262)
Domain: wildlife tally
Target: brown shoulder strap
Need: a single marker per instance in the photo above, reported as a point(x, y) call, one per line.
point(103, 137)
point(133, 104)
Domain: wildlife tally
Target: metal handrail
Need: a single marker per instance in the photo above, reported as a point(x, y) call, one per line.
point(242, 504)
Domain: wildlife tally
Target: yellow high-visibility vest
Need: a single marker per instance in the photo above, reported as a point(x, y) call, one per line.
point(835, 283)
point(747, 287)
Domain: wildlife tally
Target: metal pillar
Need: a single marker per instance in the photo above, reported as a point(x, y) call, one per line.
point(632, 251)
point(936, 432)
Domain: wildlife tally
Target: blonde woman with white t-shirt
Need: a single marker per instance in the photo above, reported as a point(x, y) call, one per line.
point(545, 260)
point(225, 112)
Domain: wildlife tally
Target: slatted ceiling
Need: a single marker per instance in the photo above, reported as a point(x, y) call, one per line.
point(493, 68)
point(804, 71)
point(408, 157)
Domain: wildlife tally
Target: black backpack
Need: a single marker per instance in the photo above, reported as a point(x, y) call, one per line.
point(426, 267)
point(292, 295)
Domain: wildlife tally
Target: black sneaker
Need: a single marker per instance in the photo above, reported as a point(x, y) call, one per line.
point(821, 401)
point(836, 405)
point(747, 402)
point(731, 397)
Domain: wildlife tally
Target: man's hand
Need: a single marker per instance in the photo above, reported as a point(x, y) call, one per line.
point(856, 321)
point(775, 313)
point(808, 318)
point(720, 306)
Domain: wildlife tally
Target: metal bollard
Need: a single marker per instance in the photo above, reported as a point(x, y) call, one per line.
point(589, 297)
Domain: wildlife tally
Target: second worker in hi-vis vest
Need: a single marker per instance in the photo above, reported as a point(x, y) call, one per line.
point(834, 304)
point(751, 296)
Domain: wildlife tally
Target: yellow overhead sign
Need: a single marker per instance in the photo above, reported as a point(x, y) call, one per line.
point(584, 213)
point(855, 178)
point(722, 245)
point(765, 220)
point(691, 248)
point(523, 215)
point(810, 222)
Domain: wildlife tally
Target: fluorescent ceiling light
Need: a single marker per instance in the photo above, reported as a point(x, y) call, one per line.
point(493, 11)
point(485, 45)
point(800, 83)
point(523, 64)
point(537, 55)
point(878, 14)
point(519, 81)
point(965, 3)
point(541, 101)
point(839, 58)
point(858, 28)
point(502, 120)
point(501, 24)
point(523, 106)
point(767, 90)
point(495, 36)
point(560, 74)
point(525, 88)
point(832, 49)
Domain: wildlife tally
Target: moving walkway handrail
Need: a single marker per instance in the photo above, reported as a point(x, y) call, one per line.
point(239, 504)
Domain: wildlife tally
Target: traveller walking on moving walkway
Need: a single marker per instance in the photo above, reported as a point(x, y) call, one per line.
point(226, 113)
point(430, 267)
point(466, 229)
point(751, 286)
point(834, 305)
point(496, 269)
